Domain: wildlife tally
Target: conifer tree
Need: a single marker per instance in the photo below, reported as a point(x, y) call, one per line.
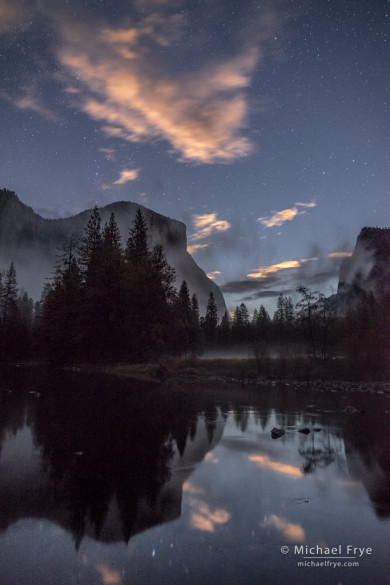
point(211, 320)
point(137, 250)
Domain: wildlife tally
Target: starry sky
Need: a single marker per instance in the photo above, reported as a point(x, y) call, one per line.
point(261, 124)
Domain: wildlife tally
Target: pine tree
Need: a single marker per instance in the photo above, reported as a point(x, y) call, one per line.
point(90, 244)
point(137, 249)
point(9, 296)
point(211, 320)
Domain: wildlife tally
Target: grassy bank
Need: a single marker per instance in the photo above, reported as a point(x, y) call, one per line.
point(250, 369)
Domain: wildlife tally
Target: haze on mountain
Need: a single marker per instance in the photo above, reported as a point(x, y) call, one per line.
point(34, 244)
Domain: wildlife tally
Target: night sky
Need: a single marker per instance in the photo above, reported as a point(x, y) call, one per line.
point(263, 125)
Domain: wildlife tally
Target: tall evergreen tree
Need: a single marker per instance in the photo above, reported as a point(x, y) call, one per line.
point(137, 249)
point(211, 320)
point(90, 244)
point(9, 297)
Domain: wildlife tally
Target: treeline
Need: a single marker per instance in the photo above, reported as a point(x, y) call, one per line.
point(105, 303)
point(108, 303)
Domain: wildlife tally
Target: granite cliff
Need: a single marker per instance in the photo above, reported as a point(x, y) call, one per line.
point(33, 243)
point(367, 269)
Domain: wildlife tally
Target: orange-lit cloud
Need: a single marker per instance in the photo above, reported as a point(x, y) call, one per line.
point(213, 274)
point(202, 114)
point(11, 14)
point(265, 462)
point(310, 204)
point(280, 217)
point(293, 532)
point(194, 247)
point(340, 254)
point(207, 224)
point(265, 271)
point(126, 176)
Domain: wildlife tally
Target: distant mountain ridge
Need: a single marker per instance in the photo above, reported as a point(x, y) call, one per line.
point(32, 243)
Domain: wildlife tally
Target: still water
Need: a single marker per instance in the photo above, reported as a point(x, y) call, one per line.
point(112, 482)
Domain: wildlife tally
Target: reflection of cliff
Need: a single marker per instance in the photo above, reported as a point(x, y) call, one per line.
point(106, 462)
point(368, 434)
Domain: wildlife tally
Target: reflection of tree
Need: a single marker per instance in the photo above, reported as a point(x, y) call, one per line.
point(107, 448)
point(320, 454)
point(241, 417)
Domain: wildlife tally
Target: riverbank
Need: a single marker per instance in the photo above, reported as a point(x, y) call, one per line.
point(248, 371)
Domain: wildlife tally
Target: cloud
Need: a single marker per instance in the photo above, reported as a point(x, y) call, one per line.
point(126, 176)
point(30, 100)
point(195, 247)
point(340, 255)
point(12, 13)
point(206, 225)
point(213, 274)
point(280, 217)
point(270, 281)
point(265, 271)
point(201, 113)
point(311, 204)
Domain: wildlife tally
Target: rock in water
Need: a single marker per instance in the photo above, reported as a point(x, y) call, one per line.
point(276, 433)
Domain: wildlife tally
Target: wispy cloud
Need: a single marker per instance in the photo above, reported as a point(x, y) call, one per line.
point(192, 248)
point(12, 13)
point(213, 274)
point(206, 225)
point(340, 255)
point(280, 217)
point(30, 100)
point(269, 281)
point(265, 271)
point(126, 176)
point(202, 114)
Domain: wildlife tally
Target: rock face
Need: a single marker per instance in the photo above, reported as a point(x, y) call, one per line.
point(368, 268)
point(34, 243)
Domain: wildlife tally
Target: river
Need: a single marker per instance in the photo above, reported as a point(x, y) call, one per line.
point(116, 482)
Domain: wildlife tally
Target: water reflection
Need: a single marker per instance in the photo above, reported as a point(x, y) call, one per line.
point(106, 462)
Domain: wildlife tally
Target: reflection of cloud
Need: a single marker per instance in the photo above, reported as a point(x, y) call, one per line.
point(293, 532)
point(205, 519)
point(280, 217)
point(126, 176)
point(189, 488)
point(340, 255)
point(194, 247)
point(108, 576)
point(265, 462)
point(263, 272)
point(202, 114)
point(211, 458)
point(207, 224)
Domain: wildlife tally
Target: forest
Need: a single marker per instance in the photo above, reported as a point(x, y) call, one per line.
point(109, 304)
